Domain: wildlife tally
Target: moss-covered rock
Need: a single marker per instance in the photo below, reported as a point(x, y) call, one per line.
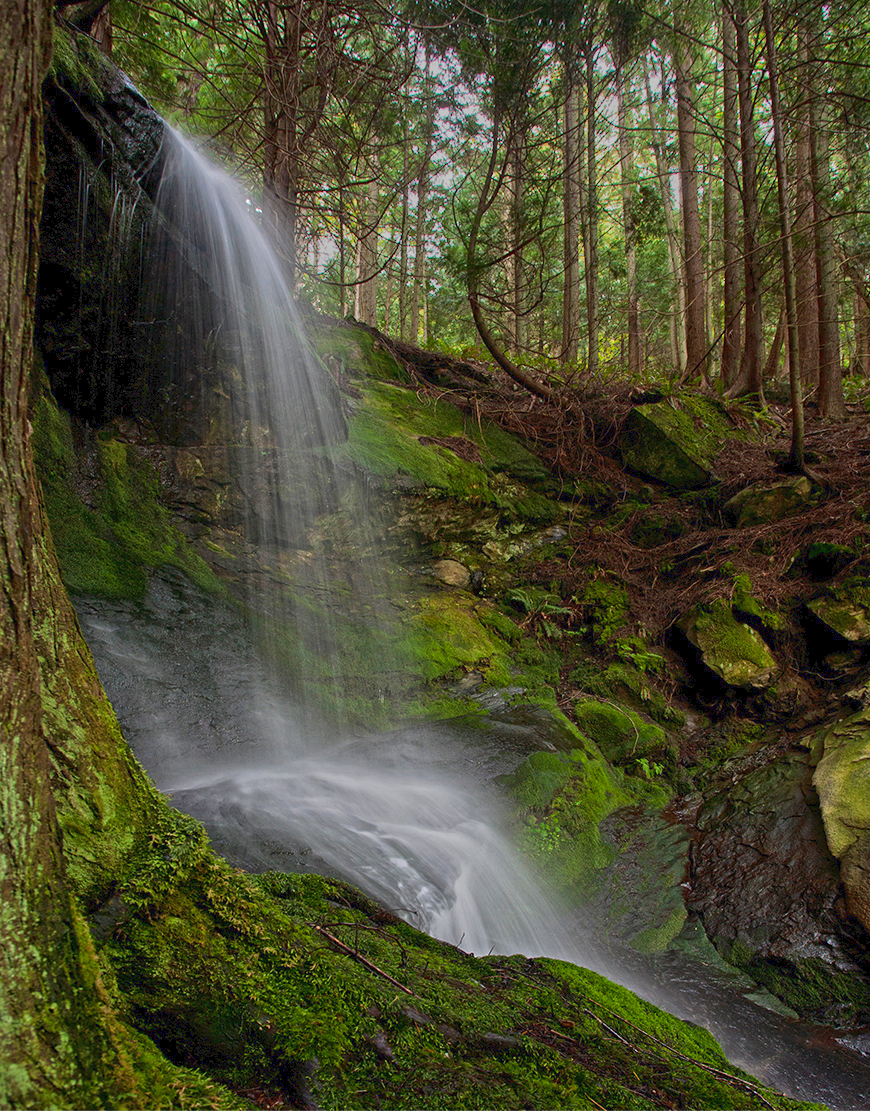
point(675, 441)
point(109, 522)
point(728, 647)
point(845, 610)
point(842, 779)
point(621, 734)
point(758, 505)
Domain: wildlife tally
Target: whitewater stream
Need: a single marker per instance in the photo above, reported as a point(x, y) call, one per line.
point(411, 816)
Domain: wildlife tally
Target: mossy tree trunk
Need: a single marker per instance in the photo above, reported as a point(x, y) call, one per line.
point(57, 1026)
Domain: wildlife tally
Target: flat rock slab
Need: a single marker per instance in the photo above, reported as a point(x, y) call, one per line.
point(675, 441)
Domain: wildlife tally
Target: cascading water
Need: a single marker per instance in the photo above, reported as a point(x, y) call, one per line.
point(409, 816)
point(421, 840)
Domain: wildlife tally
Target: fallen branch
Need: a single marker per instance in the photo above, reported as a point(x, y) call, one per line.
point(361, 959)
point(719, 1073)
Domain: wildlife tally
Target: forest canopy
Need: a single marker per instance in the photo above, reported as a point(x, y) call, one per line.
point(679, 192)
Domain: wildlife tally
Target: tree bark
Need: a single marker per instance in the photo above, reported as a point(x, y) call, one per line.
point(419, 291)
point(794, 353)
point(626, 173)
point(56, 1027)
point(696, 321)
point(675, 265)
point(750, 379)
point(590, 239)
point(515, 262)
point(731, 304)
point(803, 227)
point(832, 404)
point(571, 184)
point(367, 256)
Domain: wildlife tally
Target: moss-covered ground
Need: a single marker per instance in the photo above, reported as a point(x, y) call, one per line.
point(246, 977)
point(300, 989)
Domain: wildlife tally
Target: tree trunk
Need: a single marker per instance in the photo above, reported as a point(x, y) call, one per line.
point(280, 144)
point(861, 326)
point(675, 264)
point(571, 206)
point(403, 231)
point(590, 242)
point(751, 379)
point(367, 256)
point(626, 172)
point(832, 404)
point(696, 320)
point(55, 1013)
point(803, 228)
point(731, 304)
point(788, 275)
point(515, 263)
point(419, 291)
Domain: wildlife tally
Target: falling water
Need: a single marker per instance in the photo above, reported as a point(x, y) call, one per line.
point(409, 816)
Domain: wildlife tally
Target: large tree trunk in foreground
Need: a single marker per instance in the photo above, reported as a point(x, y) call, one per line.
point(40, 968)
point(63, 1044)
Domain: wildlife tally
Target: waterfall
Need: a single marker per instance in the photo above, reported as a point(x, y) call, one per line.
point(398, 821)
point(408, 816)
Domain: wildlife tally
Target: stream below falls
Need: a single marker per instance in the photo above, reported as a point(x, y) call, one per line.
point(411, 817)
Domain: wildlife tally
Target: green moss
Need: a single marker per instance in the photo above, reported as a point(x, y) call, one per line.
point(622, 734)
point(76, 58)
point(626, 684)
point(110, 546)
point(394, 432)
point(730, 648)
point(355, 351)
point(237, 966)
point(675, 441)
point(561, 799)
point(810, 987)
point(745, 603)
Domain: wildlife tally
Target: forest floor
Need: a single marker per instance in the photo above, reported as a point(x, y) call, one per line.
point(578, 441)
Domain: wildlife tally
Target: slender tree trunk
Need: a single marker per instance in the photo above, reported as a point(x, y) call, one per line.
point(731, 304)
point(403, 245)
point(590, 245)
point(751, 379)
point(832, 404)
point(626, 172)
point(515, 264)
point(862, 336)
point(367, 257)
point(696, 321)
point(803, 228)
point(771, 366)
point(675, 264)
point(280, 141)
point(473, 269)
point(788, 275)
point(419, 292)
point(571, 205)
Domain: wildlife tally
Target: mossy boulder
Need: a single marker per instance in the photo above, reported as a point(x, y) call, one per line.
point(845, 610)
point(675, 441)
point(842, 779)
point(731, 649)
point(561, 799)
point(109, 520)
point(759, 505)
point(621, 734)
